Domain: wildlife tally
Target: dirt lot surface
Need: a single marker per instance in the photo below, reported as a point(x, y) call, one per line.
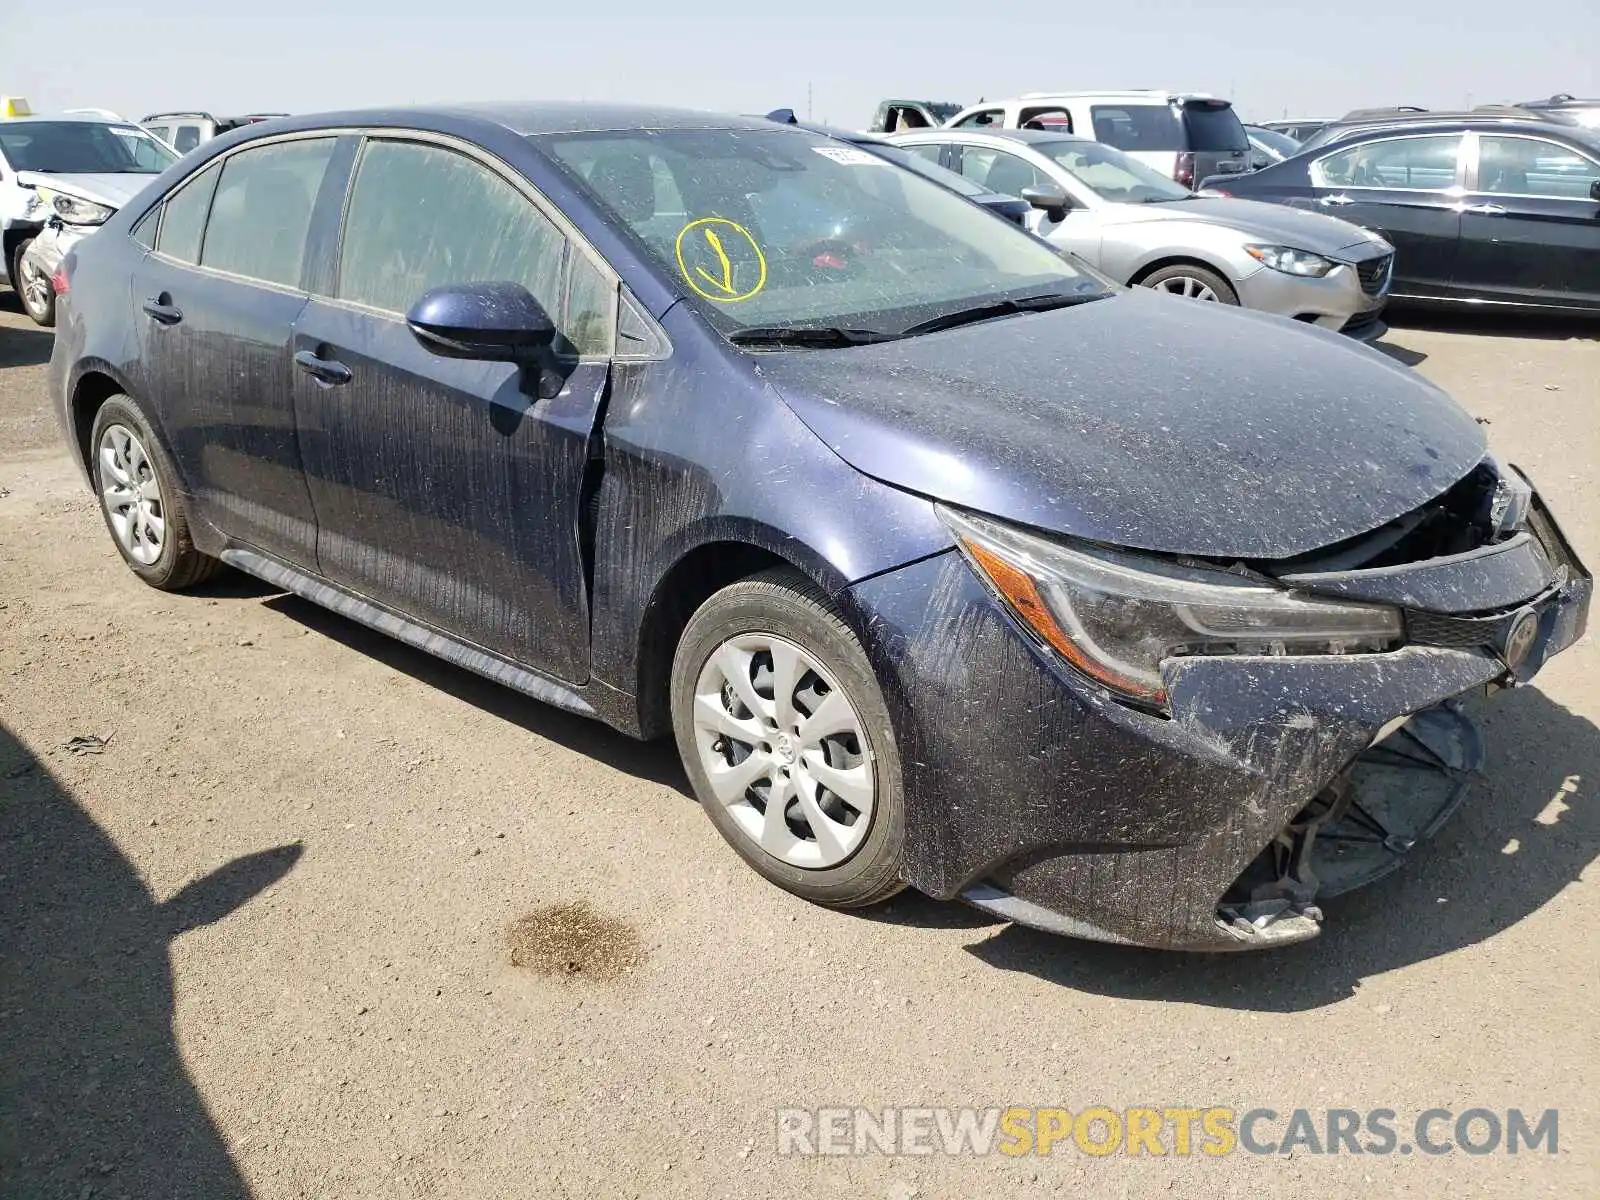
point(324, 917)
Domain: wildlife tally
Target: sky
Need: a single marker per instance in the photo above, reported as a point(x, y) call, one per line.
point(1293, 57)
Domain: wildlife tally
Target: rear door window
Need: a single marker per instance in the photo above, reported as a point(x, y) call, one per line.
point(1521, 166)
point(1138, 127)
point(186, 138)
point(1045, 116)
point(262, 210)
point(1419, 164)
point(184, 217)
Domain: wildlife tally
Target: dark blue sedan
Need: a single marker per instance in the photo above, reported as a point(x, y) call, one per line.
point(945, 563)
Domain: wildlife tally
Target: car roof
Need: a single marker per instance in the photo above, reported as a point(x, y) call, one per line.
point(1026, 136)
point(533, 118)
point(59, 118)
point(1123, 94)
point(1561, 100)
point(1474, 123)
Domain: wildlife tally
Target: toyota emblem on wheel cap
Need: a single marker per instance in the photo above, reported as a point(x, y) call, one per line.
point(1519, 641)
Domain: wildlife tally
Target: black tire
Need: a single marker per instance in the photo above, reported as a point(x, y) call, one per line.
point(45, 313)
point(179, 565)
point(784, 604)
point(1220, 287)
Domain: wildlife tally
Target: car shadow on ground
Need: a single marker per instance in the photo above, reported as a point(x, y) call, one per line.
point(94, 1098)
point(23, 345)
point(655, 761)
point(1490, 323)
point(1527, 831)
point(1403, 355)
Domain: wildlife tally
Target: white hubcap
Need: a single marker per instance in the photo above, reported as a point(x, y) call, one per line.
point(785, 751)
point(131, 495)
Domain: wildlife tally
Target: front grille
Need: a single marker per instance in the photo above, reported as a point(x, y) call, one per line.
point(1458, 633)
point(1374, 273)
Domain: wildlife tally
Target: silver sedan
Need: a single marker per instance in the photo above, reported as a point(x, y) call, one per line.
point(1139, 227)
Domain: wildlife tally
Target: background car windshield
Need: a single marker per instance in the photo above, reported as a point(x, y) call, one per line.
point(1111, 174)
point(1285, 145)
point(83, 148)
point(784, 227)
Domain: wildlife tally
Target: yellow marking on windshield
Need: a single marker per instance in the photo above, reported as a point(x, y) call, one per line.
point(726, 259)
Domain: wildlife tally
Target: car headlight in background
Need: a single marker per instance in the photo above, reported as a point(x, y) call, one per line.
point(1117, 616)
point(75, 210)
point(1291, 261)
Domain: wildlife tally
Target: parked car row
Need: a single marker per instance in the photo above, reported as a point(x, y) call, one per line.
point(944, 561)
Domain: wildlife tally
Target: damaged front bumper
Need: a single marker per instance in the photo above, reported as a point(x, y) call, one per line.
point(1276, 781)
point(51, 245)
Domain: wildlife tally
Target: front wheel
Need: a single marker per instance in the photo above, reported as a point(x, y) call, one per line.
point(786, 737)
point(37, 292)
point(1192, 283)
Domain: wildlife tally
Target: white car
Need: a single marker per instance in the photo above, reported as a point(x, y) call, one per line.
point(1187, 136)
point(1140, 228)
point(73, 170)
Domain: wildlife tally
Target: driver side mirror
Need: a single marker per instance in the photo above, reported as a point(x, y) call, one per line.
point(1052, 198)
point(494, 322)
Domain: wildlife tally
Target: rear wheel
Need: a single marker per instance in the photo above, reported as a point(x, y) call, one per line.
point(37, 293)
point(786, 738)
point(140, 501)
point(1192, 282)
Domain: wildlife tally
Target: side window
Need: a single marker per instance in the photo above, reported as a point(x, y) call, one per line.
point(186, 139)
point(163, 132)
point(185, 217)
point(144, 233)
point(1420, 164)
point(591, 307)
point(931, 153)
point(1045, 116)
point(982, 118)
point(1518, 166)
point(262, 210)
point(998, 171)
point(421, 216)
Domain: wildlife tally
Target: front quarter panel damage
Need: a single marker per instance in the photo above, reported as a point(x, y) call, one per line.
point(1021, 774)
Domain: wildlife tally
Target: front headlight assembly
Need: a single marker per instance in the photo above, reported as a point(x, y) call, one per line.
point(1116, 616)
point(75, 210)
point(1291, 261)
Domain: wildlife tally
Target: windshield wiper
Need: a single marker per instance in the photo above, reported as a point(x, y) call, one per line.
point(821, 337)
point(1002, 308)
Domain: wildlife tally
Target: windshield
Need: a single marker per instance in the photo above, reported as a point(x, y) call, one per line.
point(783, 228)
point(1111, 174)
point(1280, 143)
point(83, 148)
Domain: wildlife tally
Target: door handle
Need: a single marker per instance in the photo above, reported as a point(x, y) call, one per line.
point(325, 371)
point(1331, 201)
point(1485, 210)
point(162, 311)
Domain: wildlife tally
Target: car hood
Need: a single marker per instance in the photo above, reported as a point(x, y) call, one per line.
point(1142, 421)
point(114, 190)
point(1272, 223)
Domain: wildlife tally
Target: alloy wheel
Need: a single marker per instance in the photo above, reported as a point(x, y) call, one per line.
point(784, 751)
point(37, 290)
point(1186, 286)
point(131, 494)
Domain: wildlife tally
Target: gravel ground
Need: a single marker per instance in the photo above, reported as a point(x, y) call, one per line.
point(324, 917)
